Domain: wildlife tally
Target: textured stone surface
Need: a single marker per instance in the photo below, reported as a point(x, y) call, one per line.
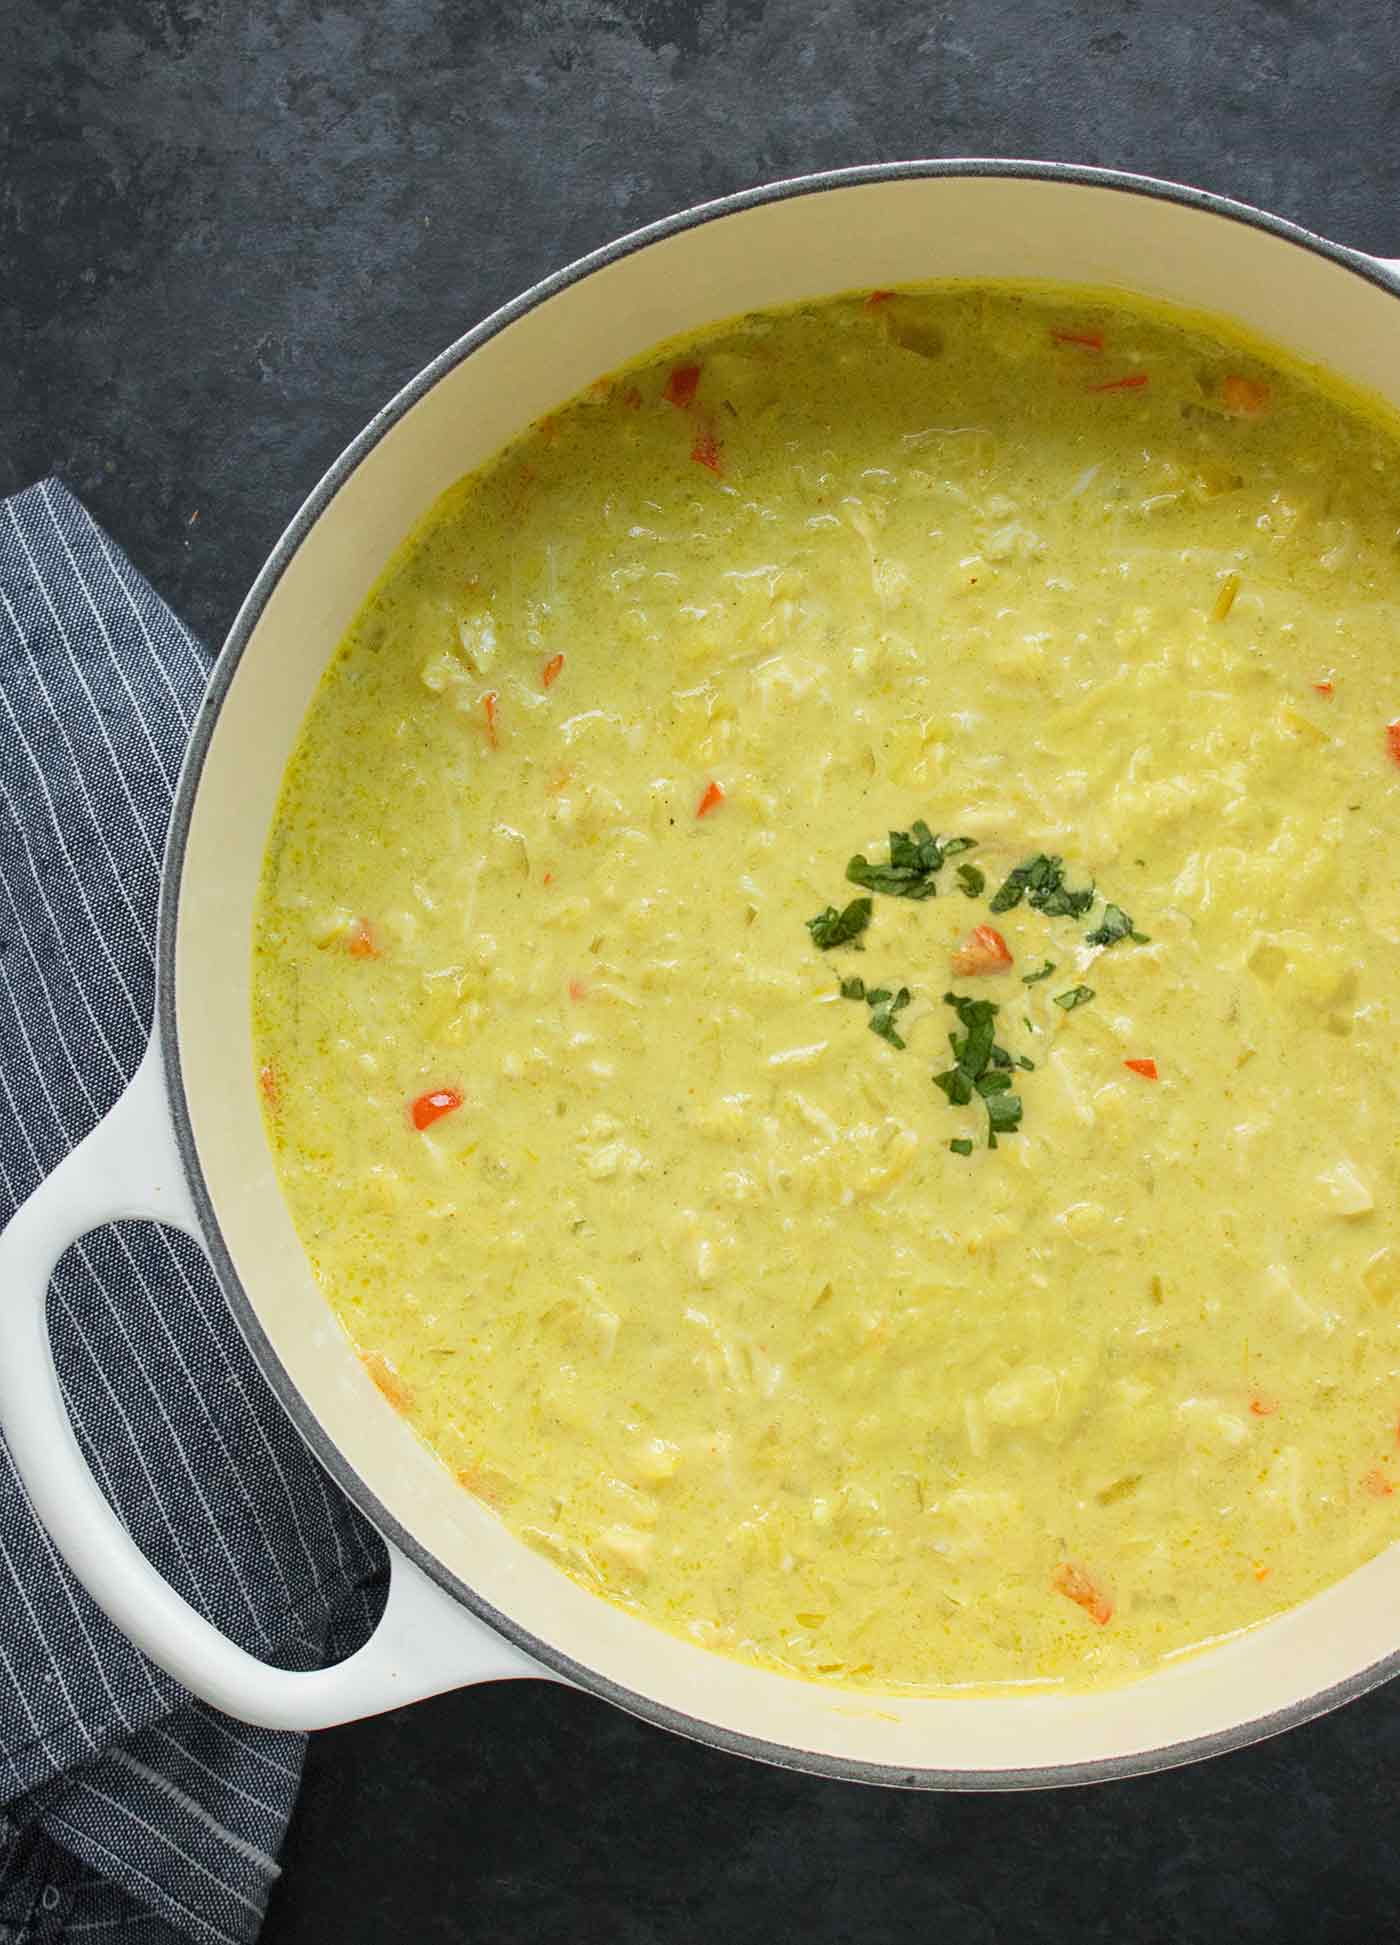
point(527, 1814)
point(227, 233)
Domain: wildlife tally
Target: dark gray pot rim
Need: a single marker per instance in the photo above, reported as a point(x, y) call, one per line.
point(226, 667)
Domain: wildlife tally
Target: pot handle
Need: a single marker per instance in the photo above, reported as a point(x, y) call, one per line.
point(426, 1642)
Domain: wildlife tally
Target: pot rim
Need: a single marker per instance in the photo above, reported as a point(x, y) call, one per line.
point(225, 668)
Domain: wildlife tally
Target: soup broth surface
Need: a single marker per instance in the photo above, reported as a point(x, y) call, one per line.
point(628, 1141)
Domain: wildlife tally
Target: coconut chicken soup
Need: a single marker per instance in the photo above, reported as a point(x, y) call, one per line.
point(827, 986)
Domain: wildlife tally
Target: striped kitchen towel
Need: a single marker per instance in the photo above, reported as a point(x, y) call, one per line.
point(129, 1812)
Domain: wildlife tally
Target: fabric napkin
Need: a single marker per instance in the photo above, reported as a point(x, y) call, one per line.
point(128, 1812)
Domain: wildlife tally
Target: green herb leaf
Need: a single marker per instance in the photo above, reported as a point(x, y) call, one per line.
point(1039, 876)
point(1012, 891)
point(853, 989)
point(983, 1067)
point(961, 1147)
point(832, 928)
point(885, 1005)
point(1076, 996)
point(973, 1049)
point(956, 1085)
point(1034, 979)
point(890, 879)
point(1116, 925)
point(1064, 903)
point(916, 858)
point(1041, 882)
point(916, 849)
point(974, 882)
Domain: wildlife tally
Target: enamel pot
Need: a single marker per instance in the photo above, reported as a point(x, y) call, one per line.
point(468, 1602)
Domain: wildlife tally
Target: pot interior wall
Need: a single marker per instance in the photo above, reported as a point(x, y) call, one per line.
point(862, 234)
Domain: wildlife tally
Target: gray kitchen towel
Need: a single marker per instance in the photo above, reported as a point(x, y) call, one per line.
point(129, 1812)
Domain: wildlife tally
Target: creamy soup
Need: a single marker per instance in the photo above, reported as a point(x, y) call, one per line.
point(827, 981)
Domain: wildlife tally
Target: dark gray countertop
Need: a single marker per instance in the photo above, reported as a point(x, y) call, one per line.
point(227, 233)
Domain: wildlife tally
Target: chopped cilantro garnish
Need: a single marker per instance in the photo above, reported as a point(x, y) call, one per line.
point(981, 1066)
point(1003, 1116)
point(916, 858)
point(831, 928)
point(956, 1086)
point(1115, 925)
point(973, 1049)
point(884, 1006)
point(982, 1070)
point(1041, 882)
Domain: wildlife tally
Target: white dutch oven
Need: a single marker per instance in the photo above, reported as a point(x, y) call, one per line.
point(468, 1602)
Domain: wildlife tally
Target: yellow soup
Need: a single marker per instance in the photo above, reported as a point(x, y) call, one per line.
point(1005, 665)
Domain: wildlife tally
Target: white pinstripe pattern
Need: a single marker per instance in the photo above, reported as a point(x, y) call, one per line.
point(118, 877)
point(17, 921)
point(71, 1595)
point(80, 1619)
point(86, 1927)
point(202, 1927)
point(262, 1750)
point(191, 1295)
point(86, 1787)
point(129, 1431)
point(192, 1761)
point(58, 1675)
point(138, 822)
point(120, 569)
point(58, 939)
point(68, 859)
point(149, 1817)
point(195, 1391)
point(8, 1667)
point(158, 757)
point(258, 1858)
point(184, 707)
